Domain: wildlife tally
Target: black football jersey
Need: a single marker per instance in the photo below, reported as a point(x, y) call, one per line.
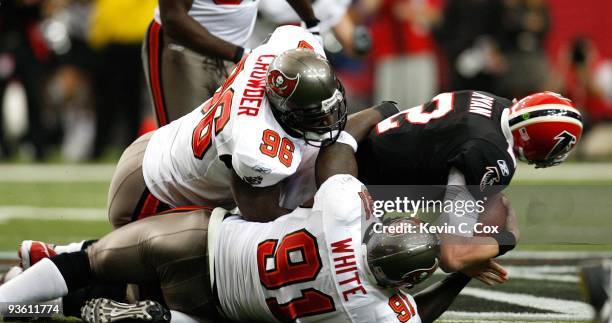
point(419, 146)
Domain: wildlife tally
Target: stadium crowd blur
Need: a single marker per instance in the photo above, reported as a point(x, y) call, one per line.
point(73, 88)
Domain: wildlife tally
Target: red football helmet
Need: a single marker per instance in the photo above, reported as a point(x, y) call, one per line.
point(546, 127)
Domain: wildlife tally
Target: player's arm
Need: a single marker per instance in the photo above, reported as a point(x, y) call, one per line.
point(437, 298)
point(304, 9)
point(339, 158)
point(458, 252)
point(182, 27)
point(361, 123)
point(257, 204)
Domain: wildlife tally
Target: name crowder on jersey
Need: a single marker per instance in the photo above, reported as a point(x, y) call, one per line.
point(254, 91)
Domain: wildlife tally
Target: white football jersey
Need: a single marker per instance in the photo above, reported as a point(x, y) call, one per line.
point(187, 161)
point(328, 11)
point(305, 266)
point(230, 20)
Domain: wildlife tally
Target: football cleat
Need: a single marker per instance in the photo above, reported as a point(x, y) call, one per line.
point(103, 310)
point(31, 252)
point(596, 288)
point(545, 127)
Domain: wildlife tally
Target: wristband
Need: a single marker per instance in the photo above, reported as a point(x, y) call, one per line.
point(387, 108)
point(458, 278)
point(506, 241)
point(347, 139)
point(311, 23)
point(238, 54)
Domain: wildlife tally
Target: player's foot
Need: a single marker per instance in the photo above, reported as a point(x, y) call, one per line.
point(596, 286)
point(31, 252)
point(10, 274)
point(103, 310)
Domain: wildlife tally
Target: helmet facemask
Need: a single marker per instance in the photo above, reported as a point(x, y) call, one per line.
point(400, 260)
point(306, 97)
point(407, 280)
point(550, 162)
point(319, 125)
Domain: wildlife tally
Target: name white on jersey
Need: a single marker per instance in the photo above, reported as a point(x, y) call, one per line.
point(186, 162)
point(305, 266)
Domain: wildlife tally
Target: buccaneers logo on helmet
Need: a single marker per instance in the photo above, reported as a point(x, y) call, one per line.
point(281, 84)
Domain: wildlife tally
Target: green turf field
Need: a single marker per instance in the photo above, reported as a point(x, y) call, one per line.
point(67, 203)
point(49, 205)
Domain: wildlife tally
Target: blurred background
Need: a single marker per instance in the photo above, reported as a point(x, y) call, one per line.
point(72, 87)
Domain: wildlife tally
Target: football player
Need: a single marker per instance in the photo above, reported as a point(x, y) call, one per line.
point(191, 44)
point(469, 141)
point(260, 132)
point(314, 264)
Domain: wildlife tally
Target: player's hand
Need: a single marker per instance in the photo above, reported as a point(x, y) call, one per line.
point(316, 32)
point(314, 28)
point(489, 272)
point(511, 220)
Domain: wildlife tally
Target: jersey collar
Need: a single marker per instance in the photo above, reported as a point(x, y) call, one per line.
point(505, 126)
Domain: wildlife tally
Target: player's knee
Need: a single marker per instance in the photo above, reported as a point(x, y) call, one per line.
point(118, 219)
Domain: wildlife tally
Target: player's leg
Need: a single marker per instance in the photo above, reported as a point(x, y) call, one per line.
point(128, 197)
point(173, 250)
point(68, 272)
point(187, 78)
point(128, 200)
point(169, 250)
point(152, 49)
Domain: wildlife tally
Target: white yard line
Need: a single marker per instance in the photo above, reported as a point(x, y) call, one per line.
point(548, 255)
point(564, 274)
point(453, 316)
point(52, 213)
point(56, 173)
point(567, 171)
point(103, 172)
point(573, 309)
point(8, 255)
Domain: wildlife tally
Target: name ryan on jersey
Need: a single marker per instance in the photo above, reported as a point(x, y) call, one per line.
point(481, 104)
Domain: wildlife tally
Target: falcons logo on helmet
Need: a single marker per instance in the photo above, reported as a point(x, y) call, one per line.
point(281, 84)
point(565, 142)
